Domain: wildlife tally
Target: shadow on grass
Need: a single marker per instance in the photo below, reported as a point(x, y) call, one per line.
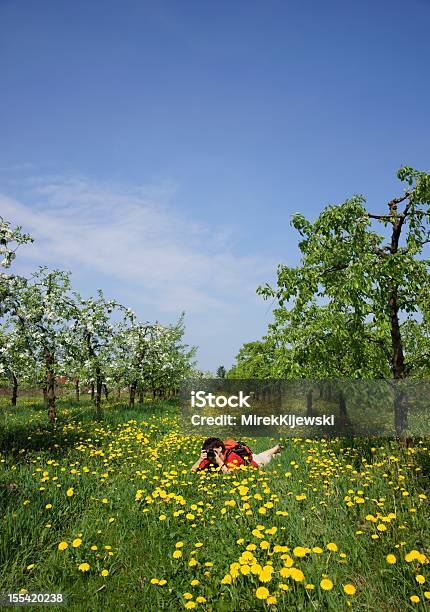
point(20, 439)
point(24, 429)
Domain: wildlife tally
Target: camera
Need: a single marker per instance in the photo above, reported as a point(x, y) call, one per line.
point(210, 454)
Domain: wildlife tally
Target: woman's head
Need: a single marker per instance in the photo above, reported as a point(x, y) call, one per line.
point(212, 444)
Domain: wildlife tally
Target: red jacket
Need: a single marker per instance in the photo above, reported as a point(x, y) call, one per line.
point(233, 461)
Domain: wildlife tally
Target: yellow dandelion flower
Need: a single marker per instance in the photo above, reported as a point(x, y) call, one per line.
point(256, 569)
point(297, 574)
point(76, 542)
point(300, 551)
point(62, 546)
point(349, 589)
point(265, 576)
point(326, 584)
point(262, 593)
point(84, 567)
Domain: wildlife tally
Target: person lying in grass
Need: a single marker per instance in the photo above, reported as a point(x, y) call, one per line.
point(229, 455)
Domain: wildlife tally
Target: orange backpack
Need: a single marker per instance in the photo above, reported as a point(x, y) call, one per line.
point(241, 449)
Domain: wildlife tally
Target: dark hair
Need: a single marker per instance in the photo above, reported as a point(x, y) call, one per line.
point(211, 443)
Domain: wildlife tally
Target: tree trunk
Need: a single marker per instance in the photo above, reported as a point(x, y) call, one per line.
point(400, 411)
point(309, 403)
point(118, 393)
point(77, 390)
point(45, 394)
point(342, 407)
point(50, 386)
point(141, 393)
point(92, 391)
point(133, 387)
point(153, 393)
point(106, 390)
point(398, 368)
point(99, 385)
point(14, 390)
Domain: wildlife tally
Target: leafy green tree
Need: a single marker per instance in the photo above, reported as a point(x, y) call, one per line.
point(255, 359)
point(221, 372)
point(373, 280)
point(416, 339)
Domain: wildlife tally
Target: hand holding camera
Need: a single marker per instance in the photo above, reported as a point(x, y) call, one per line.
point(214, 455)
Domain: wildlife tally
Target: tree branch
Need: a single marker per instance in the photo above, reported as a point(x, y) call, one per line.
point(392, 204)
point(335, 268)
point(380, 342)
point(379, 217)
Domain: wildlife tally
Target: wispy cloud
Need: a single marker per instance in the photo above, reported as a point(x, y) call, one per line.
point(136, 238)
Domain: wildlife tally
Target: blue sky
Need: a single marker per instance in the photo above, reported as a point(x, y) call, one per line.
point(158, 149)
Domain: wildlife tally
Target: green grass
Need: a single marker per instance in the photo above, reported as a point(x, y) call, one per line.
point(327, 487)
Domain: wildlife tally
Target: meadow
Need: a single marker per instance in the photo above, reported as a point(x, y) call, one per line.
point(107, 512)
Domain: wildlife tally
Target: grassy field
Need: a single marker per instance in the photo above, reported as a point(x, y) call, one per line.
point(107, 512)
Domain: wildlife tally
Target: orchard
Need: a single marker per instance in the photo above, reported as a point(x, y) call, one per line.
point(97, 499)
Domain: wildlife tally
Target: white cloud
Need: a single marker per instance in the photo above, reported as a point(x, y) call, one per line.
point(136, 238)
